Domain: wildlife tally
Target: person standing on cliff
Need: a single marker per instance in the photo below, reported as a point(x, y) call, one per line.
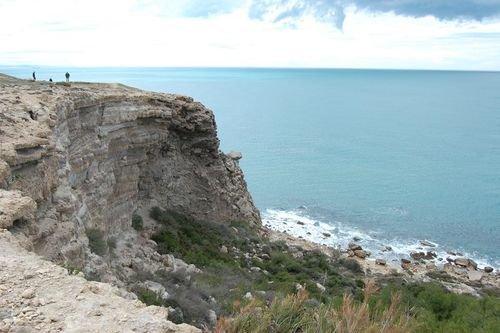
point(67, 76)
point(34, 76)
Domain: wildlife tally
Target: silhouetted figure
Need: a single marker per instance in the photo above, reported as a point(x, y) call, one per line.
point(34, 76)
point(67, 76)
point(50, 80)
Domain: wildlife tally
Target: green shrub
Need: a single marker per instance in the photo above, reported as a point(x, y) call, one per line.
point(195, 242)
point(72, 270)
point(440, 275)
point(438, 310)
point(156, 213)
point(149, 297)
point(96, 241)
point(351, 264)
point(111, 243)
point(137, 222)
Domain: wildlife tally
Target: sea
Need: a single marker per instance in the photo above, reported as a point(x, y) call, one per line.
point(386, 157)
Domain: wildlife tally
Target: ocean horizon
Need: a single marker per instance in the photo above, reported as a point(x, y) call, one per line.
point(390, 157)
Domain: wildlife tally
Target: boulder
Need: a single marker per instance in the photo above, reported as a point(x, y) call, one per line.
point(326, 234)
point(354, 247)
point(488, 269)
point(405, 264)
point(464, 262)
point(223, 249)
point(472, 264)
point(387, 248)
point(431, 255)
point(423, 256)
point(356, 238)
point(235, 155)
point(360, 254)
point(381, 262)
point(156, 288)
point(417, 255)
point(28, 293)
point(320, 287)
point(475, 275)
point(467, 263)
point(212, 317)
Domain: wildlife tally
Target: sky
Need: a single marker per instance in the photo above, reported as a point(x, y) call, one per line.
point(409, 34)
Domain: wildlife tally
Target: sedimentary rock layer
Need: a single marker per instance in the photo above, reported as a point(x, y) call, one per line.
point(90, 154)
point(86, 157)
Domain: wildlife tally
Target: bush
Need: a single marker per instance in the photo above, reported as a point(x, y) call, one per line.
point(351, 264)
point(438, 310)
point(148, 297)
point(137, 222)
point(96, 241)
point(195, 242)
point(111, 243)
point(156, 213)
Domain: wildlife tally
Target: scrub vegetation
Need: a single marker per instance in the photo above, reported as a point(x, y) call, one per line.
point(262, 286)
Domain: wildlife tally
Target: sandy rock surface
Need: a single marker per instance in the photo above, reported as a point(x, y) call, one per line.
point(38, 296)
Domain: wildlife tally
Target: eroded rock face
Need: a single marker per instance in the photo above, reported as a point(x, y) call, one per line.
point(15, 206)
point(90, 155)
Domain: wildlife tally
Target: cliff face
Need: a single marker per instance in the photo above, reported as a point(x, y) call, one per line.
point(87, 156)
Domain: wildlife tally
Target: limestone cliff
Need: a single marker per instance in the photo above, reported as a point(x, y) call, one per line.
point(82, 157)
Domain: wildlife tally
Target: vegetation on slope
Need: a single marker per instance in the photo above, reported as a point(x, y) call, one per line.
point(237, 260)
point(264, 286)
point(295, 313)
point(437, 310)
point(426, 308)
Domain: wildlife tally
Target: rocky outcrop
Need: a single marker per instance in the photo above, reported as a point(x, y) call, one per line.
point(91, 154)
point(86, 157)
point(14, 206)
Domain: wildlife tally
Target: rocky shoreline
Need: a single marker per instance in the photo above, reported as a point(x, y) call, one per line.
point(458, 274)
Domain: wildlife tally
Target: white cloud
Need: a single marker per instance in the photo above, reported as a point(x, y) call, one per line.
point(152, 33)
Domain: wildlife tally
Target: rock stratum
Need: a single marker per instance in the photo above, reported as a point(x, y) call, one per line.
point(87, 157)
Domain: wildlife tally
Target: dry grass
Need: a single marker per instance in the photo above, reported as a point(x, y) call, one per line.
point(296, 313)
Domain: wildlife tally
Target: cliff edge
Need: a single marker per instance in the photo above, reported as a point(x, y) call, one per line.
point(79, 160)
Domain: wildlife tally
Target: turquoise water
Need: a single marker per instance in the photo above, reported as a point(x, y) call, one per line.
point(395, 156)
